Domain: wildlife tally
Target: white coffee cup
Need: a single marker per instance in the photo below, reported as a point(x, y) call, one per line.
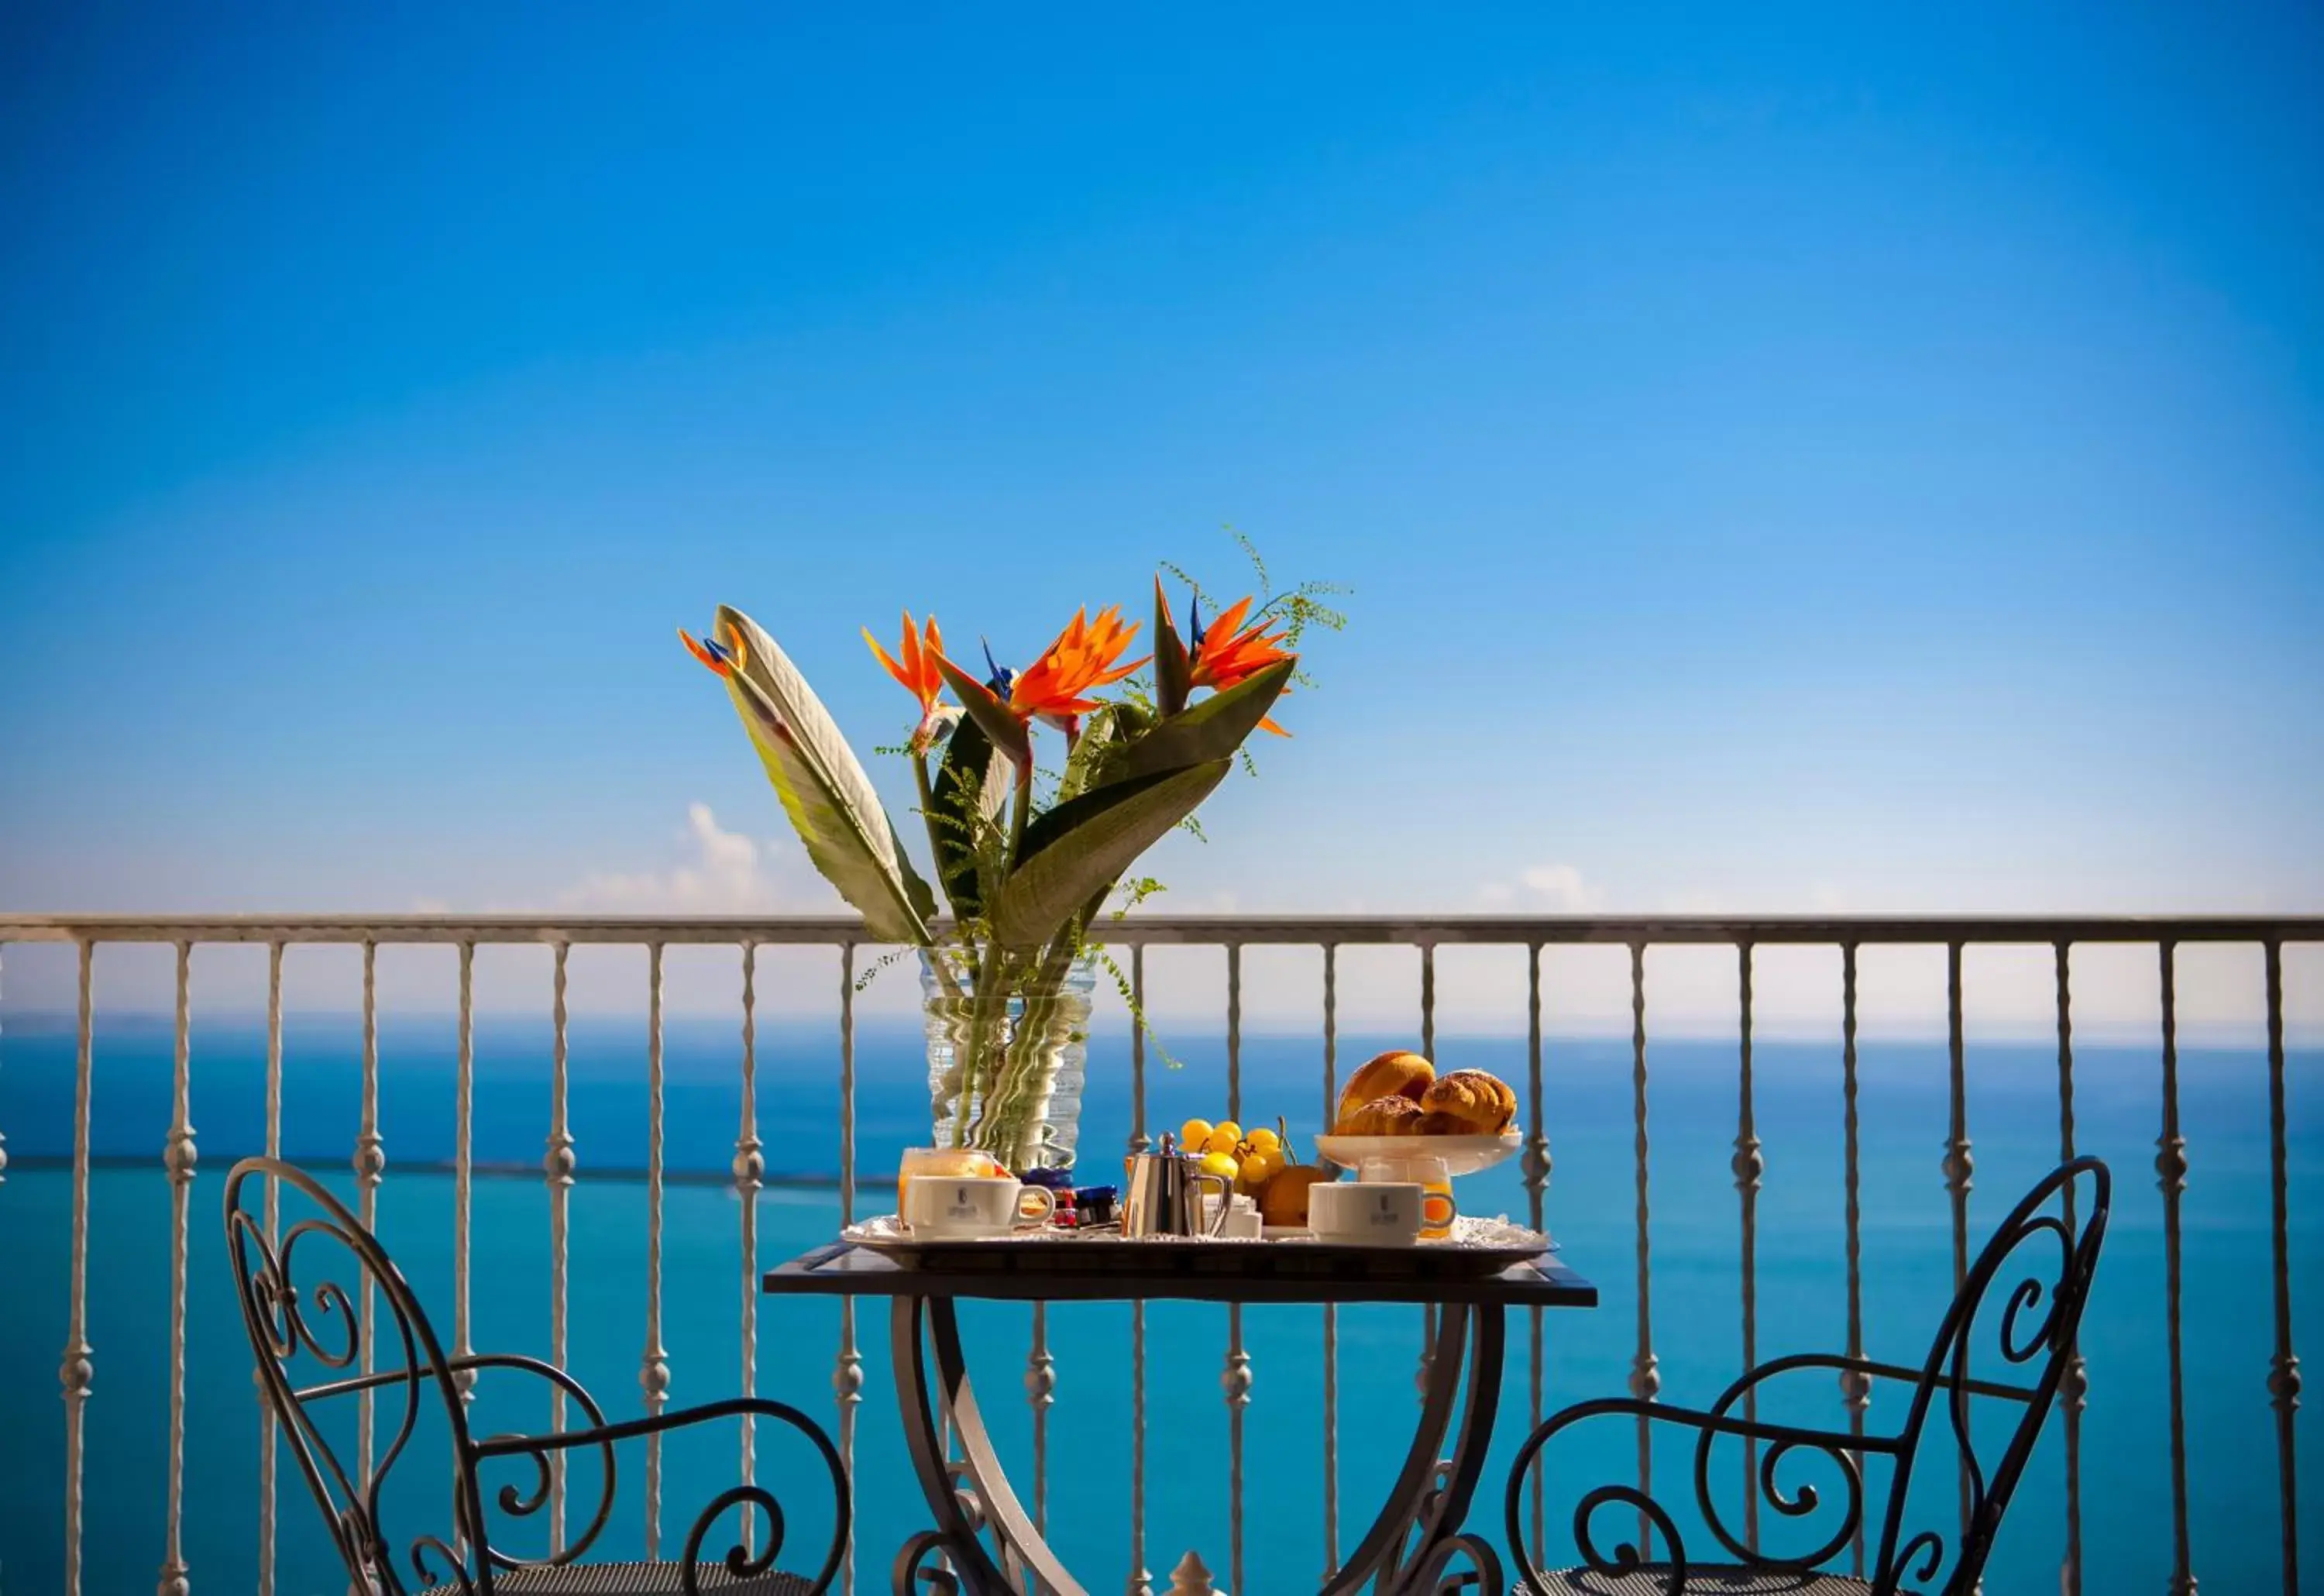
point(974, 1205)
point(1375, 1213)
point(1437, 1209)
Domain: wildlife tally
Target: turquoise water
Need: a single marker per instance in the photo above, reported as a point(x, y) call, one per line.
point(1695, 1290)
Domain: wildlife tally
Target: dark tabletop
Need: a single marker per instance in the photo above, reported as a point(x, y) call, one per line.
point(1193, 1274)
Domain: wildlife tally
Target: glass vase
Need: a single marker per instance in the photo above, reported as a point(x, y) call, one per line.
point(1005, 1071)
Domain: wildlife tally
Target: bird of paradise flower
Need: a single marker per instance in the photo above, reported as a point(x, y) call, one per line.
point(1024, 880)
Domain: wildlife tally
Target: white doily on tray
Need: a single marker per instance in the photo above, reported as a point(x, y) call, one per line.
point(1498, 1233)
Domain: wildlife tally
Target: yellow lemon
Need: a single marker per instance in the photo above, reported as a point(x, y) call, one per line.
point(1195, 1135)
point(1223, 1136)
point(1220, 1163)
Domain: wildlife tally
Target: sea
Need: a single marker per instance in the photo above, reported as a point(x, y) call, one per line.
point(1693, 1299)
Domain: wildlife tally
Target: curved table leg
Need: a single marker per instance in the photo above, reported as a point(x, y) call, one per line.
point(1003, 1512)
point(1446, 1510)
point(1416, 1501)
point(955, 1536)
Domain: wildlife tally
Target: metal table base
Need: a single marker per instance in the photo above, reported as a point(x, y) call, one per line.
point(983, 1542)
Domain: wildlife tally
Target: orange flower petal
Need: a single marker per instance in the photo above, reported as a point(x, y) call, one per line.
point(732, 637)
point(1227, 655)
point(912, 673)
point(1229, 621)
point(1083, 657)
point(701, 653)
point(894, 669)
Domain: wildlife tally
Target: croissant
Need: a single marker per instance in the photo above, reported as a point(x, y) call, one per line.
point(1468, 1102)
point(1392, 1074)
point(1383, 1116)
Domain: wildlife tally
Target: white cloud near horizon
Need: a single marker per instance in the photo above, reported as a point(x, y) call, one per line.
point(1558, 889)
point(722, 872)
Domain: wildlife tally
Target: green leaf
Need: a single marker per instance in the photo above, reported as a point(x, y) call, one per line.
point(1212, 729)
point(1006, 732)
point(1173, 672)
point(1068, 941)
point(823, 789)
point(1100, 734)
point(970, 785)
point(1075, 851)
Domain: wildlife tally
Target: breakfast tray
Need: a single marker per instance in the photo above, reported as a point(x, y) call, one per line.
point(1477, 1247)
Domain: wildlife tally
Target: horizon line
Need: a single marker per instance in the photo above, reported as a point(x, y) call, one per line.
point(2104, 1032)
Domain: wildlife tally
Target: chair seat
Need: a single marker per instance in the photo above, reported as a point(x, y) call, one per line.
point(632, 1579)
point(1653, 1579)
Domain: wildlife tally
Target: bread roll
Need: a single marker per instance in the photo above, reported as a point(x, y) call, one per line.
point(1391, 1074)
point(1477, 1104)
point(1383, 1116)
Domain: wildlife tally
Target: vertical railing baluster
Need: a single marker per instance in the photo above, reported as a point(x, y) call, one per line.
point(464, 1109)
point(1420, 1377)
point(1237, 1379)
point(1040, 1395)
point(1040, 1392)
point(1331, 1313)
point(1536, 1166)
point(370, 1164)
point(2170, 1176)
point(273, 1216)
point(1645, 1379)
point(557, 1168)
point(1139, 1141)
point(653, 1362)
point(1855, 1386)
point(750, 1176)
point(1141, 1580)
point(2284, 1367)
point(1750, 1167)
point(2073, 1386)
point(78, 1369)
point(178, 1157)
point(1958, 1167)
point(847, 1376)
point(1428, 1001)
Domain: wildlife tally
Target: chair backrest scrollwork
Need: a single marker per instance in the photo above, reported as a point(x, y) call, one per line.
point(2016, 1314)
point(304, 1292)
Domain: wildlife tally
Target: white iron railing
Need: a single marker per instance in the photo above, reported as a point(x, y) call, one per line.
point(88, 934)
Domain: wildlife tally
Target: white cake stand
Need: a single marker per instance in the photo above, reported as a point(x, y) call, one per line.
point(1462, 1155)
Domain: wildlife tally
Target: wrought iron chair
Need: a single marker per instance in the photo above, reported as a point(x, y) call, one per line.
point(2052, 1279)
point(292, 1317)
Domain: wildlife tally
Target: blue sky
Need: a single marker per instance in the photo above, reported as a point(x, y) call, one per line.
point(1785, 457)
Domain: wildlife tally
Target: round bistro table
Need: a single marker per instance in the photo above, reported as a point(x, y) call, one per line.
point(1418, 1534)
